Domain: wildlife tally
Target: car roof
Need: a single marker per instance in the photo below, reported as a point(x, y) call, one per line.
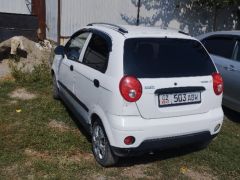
point(235, 33)
point(141, 32)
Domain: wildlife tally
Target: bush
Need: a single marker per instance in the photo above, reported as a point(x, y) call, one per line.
point(39, 74)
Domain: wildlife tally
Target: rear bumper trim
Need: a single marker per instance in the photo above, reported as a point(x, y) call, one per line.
point(164, 143)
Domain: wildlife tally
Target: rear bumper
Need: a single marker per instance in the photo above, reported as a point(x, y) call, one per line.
point(164, 143)
point(148, 130)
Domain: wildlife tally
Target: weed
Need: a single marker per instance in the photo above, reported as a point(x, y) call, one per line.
point(38, 74)
point(14, 57)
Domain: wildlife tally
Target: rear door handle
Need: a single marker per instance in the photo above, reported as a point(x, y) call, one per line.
point(71, 68)
point(96, 83)
point(229, 68)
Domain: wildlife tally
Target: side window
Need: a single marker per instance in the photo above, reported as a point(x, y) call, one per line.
point(236, 54)
point(221, 46)
point(75, 45)
point(97, 53)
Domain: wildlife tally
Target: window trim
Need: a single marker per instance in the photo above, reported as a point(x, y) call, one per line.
point(235, 49)
point(85, 48)
point(72, 37)
point(109, 50)
point(102, 34)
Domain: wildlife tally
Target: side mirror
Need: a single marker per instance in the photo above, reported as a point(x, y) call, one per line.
point(59, 50)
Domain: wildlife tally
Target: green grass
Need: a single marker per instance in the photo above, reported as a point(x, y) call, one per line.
point(67, 154)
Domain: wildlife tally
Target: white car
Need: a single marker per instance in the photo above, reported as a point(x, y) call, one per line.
point(138, 89)
point(224, 47)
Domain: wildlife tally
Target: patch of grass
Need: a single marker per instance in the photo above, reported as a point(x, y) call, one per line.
point(39, 74)
point(63, 155)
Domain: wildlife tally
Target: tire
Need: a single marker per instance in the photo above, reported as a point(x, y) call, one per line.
point(101, 147)
point(55, 88)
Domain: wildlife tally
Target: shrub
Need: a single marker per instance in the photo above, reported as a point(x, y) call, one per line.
point(39, 74)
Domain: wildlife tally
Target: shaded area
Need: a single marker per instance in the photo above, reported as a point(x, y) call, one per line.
point(231, 115)
point(142, 158)
point(18, 25)
point(184, 15)
point(158, 156)
point(5, 53)
point(77, 122)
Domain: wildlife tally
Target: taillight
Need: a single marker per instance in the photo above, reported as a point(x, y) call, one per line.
point(217, 83)
point(130, 88)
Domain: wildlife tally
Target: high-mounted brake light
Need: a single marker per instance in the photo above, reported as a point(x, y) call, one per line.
point(217, 83)
point(130, 88)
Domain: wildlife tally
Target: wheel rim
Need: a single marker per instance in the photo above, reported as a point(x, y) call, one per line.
point(99, 142)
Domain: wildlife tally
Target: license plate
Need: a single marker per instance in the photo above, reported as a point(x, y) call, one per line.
point(179, 99)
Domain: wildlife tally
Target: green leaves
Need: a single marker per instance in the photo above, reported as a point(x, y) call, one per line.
point(216, 3)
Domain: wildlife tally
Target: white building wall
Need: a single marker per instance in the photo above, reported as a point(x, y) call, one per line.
point(78, 13)
point(163, 13)
point(52, 19)
point(184, 16)
point(15, 6)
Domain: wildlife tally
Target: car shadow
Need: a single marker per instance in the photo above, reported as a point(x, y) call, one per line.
point(141, 159)
point(231, 115)
point(157, 156)
point(80, 127)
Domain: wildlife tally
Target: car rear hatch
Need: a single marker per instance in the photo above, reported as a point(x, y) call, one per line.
point(175, 75)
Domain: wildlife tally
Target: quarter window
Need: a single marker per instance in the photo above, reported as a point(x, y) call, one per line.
point(97, 53)
point(221, 46)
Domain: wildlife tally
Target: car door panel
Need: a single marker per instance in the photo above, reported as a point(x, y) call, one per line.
point(89, 74)
point(71, 60)
point(233, 84)
point(222, 49)
point(233, 69)
point(229, 68)
point(66, 76)
point(221, 64)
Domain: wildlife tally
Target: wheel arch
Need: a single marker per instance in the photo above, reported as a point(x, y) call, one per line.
point(98, 114)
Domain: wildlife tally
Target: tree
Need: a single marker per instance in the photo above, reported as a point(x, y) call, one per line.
point(193, 16)
point(215, 6)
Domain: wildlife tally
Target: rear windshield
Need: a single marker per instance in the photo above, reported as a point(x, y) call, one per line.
point(156, 58)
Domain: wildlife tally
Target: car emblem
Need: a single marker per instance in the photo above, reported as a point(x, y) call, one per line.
point(149, 87)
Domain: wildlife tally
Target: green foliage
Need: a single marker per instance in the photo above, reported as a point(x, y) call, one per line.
point(216, 3)
point(39, 74)
point(15, 57)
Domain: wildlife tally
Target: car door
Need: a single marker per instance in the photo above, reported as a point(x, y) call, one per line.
point(73, 51)
point(91, 72)
point(221, 49)
point(233, 69)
